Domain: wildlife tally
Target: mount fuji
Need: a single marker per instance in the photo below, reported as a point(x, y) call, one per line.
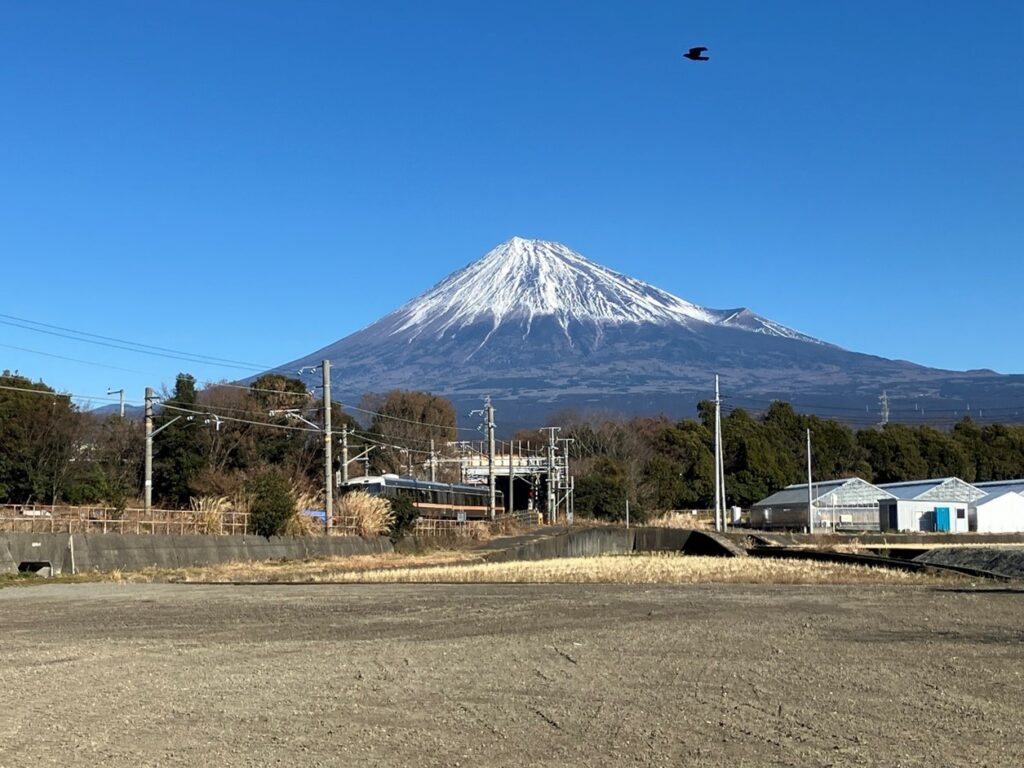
point(540, 328)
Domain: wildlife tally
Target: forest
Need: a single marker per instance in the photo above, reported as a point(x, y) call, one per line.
point(214, 439)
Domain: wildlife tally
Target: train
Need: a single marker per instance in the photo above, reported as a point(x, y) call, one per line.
point(441, 501)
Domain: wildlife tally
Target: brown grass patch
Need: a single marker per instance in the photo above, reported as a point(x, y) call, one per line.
point(678, 519)
point(283, 571)
point(453, 567)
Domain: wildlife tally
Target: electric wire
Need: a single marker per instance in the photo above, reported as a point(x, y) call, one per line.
point(20, 322)
point(237, 420)
point(68, 395)
point(72, 359)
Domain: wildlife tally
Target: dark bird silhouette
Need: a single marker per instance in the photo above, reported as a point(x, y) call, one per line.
point(694, 54)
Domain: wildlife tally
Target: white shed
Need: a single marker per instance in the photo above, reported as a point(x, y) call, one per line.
point(1001, 512)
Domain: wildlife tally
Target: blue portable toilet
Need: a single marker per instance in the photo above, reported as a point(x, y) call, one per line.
point(942, 521)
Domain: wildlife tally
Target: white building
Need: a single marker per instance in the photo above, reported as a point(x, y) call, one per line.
point(940, 504)
point(999, 512)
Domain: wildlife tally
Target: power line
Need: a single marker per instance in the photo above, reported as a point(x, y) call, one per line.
point(240, 421)
point(52, 393)
point(71, 359)
point(347, 407)
point(130, 346)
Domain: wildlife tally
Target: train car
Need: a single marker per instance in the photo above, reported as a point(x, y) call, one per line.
point(446, 501)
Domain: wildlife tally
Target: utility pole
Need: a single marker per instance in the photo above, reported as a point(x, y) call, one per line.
point(810, 491)
point(433, 462)
point(566, 441)
point(344, 454)
point(121, 393)
point(510, 506)
point(552, 501)
point(571, 515)
point(721, 472)
point(148, 484)
point(492, 496)
point(328, 459)
point(718, 464)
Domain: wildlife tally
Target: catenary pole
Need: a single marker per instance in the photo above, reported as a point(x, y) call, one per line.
point(491, 494)
point(433, 462)
point(344, 454)
point(721, 471)
point(120, 393)
point(810, 490)
point(148, 480)
point(718, 465)
point(551, 500)
point(510, 508)
point(328, 458)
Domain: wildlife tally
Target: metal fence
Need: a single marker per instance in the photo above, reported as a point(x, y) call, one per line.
point(39, 518)
point(44, 518)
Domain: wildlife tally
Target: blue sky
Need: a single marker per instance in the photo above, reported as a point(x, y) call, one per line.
point(253, 180)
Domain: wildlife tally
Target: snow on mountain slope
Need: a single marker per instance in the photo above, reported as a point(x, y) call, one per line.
point(521, 280)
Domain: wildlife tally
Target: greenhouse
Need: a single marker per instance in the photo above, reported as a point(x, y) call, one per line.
point(848, 504)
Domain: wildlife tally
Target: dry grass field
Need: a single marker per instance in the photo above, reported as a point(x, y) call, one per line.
point(463, 567)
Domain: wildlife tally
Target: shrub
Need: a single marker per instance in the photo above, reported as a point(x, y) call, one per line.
point(404, 516)
point(271, 502)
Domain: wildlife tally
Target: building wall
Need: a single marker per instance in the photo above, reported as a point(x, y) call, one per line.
point(917, 515)
point(1003, 514)
point(794, 517)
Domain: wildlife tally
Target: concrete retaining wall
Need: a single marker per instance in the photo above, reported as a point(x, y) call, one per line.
point(127, 552)
point(587, 542)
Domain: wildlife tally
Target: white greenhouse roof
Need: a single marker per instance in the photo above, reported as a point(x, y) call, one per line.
point(935, 489)
point(850, 491)
point(991, 486)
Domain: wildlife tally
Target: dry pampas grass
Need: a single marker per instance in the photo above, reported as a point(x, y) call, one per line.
point(209, 512)
point(301, 524)
point(365, 515)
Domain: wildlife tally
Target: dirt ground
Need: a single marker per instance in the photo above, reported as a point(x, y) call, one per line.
point(506, 675)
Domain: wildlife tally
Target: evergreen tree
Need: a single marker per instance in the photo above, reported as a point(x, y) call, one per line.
point(178, 456)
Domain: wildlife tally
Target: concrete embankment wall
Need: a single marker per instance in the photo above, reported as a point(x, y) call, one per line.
point(127, 552)
point(589, 542)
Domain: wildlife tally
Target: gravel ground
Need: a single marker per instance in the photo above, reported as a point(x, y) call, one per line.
point(505, 675)
point(1008, 561)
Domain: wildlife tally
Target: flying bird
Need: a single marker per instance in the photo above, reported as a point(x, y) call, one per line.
point(694, 54)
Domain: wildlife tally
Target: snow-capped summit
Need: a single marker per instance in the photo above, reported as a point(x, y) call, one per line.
point(521, 280)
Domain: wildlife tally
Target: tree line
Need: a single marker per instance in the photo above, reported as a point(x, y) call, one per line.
point(215, 439)
point(211, 441)
point(662, 464)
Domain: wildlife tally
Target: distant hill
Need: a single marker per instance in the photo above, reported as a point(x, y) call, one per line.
point(131, 412)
